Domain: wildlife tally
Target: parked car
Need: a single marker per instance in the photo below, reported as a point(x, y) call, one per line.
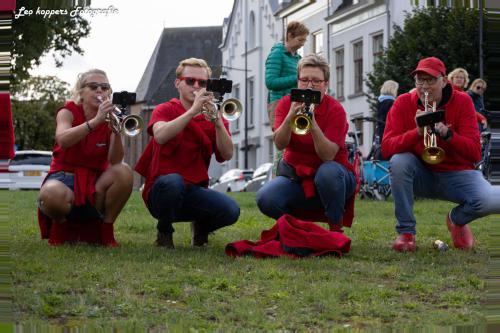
point(233, 180)
point(261, 175)
point(28, 169)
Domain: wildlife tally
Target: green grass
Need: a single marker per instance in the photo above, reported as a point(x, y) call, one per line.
point(203, 289)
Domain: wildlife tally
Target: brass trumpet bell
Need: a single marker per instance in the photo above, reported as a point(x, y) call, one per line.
point(231, 109)
point(301, 124)
point(132, 125)
point(433, 155)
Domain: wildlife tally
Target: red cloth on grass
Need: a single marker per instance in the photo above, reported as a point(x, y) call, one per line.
point(293, 238)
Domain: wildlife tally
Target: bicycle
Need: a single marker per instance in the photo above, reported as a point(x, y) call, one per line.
point(375, 172)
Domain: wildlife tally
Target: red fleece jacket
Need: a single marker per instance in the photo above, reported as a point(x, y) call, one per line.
point(462, 151)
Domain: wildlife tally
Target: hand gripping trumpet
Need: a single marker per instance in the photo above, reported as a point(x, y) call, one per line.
point(231, 109)
point(130, 125)
point(301, 123)
point(432, 154)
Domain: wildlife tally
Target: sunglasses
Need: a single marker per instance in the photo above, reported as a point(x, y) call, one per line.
point(190, 81)
point(95, 85)
point(479, 88)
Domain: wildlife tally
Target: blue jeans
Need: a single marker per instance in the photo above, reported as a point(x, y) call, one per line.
point(334, 185)
point(468, 188)
point(170, 200)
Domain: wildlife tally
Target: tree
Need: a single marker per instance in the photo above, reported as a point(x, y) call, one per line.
point(35, 34)
point(33, 110)
point(451, 34)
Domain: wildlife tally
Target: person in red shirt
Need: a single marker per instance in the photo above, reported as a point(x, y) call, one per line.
point(88, 180)
point(454, 179)
point(175, 162)
point(315, 173)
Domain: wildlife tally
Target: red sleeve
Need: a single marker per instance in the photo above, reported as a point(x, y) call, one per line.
point(400, 134)
point(218, 157)
point(336, 123)
point(466, 139)
point(166, 112)
point(281, 111)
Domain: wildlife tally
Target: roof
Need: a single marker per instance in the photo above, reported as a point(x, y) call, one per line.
point(175, 44)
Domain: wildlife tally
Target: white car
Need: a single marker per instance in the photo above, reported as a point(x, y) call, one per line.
point(28, 169)
point(233, 180)
point(261, 175)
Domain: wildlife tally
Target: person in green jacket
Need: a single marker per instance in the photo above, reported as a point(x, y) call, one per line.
point(281, 65)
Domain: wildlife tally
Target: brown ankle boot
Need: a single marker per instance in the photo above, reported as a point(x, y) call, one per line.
point(165, 240)
point(199, 235)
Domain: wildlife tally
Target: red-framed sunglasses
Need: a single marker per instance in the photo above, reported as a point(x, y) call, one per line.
point(190, 81)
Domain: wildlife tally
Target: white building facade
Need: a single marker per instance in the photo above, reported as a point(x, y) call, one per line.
point(350, 34)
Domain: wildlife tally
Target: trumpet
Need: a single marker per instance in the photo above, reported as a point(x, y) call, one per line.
point(432, 154)
point(130, 125)
point(301, 123)
point(231, 109)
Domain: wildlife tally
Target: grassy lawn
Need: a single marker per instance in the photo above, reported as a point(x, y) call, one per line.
point(203, 289)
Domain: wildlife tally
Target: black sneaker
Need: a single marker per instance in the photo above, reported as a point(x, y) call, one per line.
point(164, 240)
point(199, 235)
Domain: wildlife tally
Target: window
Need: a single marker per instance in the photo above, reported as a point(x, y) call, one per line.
point(251, 102)
point(318, 43)
point(339, 73)
point(251, 31)
point(358, 127)
point(378, 47)
point(271, 149)
point(358, 66)
point(236, 94)
point(236, 156)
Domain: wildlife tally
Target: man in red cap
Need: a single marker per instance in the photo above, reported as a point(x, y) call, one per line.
point(454, 178)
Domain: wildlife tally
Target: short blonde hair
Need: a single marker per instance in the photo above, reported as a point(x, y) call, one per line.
point(314, 60)
point(456, 71)
point(295, 29)
point(193, 62)
point(80, 83)
point(389, 87)
point(476, 82)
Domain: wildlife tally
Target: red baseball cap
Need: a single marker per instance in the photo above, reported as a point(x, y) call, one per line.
point(432, 66)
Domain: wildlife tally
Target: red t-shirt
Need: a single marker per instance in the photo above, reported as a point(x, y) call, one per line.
point(187, 154)
point(464, 148)
point(332, 120)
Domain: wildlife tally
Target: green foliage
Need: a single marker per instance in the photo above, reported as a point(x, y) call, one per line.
point(201, 289)
point(450, 34)
point(35, 35)
point(33, 110)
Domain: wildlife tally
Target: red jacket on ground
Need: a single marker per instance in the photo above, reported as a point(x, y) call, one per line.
point(300, 152)
point(401, 134)
point(293, 238)
point(87, 159)
point(187, 154)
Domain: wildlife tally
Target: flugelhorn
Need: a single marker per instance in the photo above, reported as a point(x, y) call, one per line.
point(432, 154)
point(130, 125)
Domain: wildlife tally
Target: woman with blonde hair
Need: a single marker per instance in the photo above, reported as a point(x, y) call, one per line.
point(459, 78)
point(88, 184)
point(388, 93)
point(476, 91)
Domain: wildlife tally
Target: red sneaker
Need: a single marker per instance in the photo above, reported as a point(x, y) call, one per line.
point(107, 235)
point(460, 234)
point(404, 243)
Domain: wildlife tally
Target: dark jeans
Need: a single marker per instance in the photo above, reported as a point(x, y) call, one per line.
point(334, 185)
point(170, 200)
